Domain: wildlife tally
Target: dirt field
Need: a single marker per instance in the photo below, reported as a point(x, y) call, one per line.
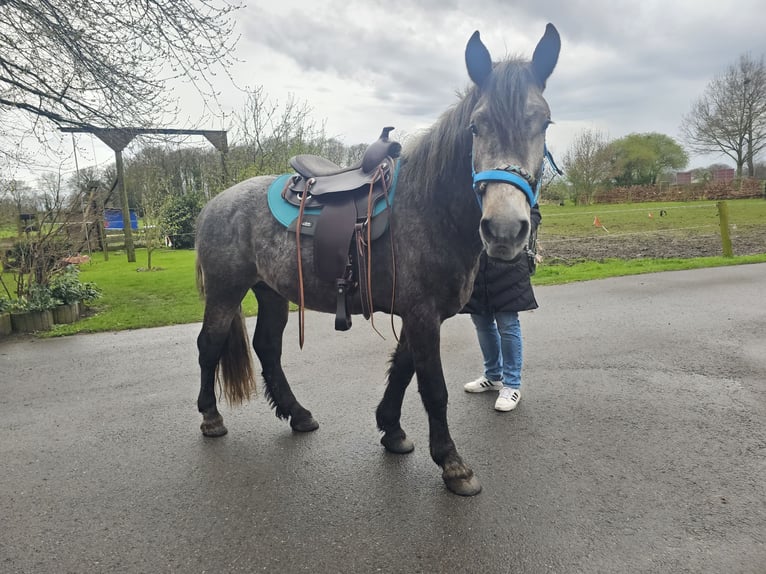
point(634, 246)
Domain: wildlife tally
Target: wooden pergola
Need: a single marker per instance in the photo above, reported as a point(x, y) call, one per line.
point(119, 138)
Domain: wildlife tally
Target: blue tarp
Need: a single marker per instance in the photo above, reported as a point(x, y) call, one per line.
point(113, 219)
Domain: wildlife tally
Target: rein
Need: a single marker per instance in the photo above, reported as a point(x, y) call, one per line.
point(516, 176)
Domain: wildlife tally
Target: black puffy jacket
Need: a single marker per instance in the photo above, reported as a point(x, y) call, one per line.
point(503, 285)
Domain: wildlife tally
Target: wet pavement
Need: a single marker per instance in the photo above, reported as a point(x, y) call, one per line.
point(639, 446)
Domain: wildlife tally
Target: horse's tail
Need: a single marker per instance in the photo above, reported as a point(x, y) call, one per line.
point(234, 372)
point(200, 280)
point(235, 369)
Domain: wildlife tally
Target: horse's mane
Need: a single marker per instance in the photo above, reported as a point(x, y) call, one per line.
point(443, 151)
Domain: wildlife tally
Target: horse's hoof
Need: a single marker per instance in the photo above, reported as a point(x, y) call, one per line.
point(463, 486)
point(397, 444)
point(304, 424)
point(213, 427)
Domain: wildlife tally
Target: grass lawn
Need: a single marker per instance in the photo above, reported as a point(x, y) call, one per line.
point(134, 298)
point(680, 217)
point(586, 271)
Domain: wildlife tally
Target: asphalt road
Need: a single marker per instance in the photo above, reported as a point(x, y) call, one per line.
point(639, 446)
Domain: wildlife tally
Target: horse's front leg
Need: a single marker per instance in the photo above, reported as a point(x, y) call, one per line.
point(389, 411)
point(423, 337)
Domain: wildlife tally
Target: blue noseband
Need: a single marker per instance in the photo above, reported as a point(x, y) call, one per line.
point(516, 176)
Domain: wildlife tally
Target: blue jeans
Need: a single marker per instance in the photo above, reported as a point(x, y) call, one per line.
point(500, 342)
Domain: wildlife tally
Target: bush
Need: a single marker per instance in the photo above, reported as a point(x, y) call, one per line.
point(67, 287)
point(179, 218)
point(39, 298)
point(5, 305)
point(36, 256)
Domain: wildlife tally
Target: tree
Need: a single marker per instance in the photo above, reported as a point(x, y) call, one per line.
point(587, 164)
point(179, 218)
point(730, 116)
point(36, 256)
point(17, 198)
point(106, 64)
point(272, 133)
point(640, 158)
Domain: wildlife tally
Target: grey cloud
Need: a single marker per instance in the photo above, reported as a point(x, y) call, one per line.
point(622, 62)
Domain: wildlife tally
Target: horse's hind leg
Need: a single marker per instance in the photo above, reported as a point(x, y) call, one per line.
point(210, 343)
point(389, 411)
point(267, 341)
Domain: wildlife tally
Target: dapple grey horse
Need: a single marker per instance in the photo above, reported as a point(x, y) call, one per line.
point(465, 185)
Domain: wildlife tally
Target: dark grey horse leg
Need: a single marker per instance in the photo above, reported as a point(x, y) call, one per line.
point(210, 342)
point(423, 336)
point(389, 411)
point(267, 341)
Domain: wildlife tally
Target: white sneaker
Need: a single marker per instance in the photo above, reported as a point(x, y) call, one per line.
point(482, 384)
point(507, 399)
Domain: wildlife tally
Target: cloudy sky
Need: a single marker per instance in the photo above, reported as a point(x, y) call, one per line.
point(624, 66)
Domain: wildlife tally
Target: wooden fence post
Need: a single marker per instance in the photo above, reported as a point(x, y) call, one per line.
point(723, 220)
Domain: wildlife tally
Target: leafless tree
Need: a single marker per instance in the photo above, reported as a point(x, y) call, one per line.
point(730, 116)
point(272, 132)
point(587, 163)
point(105, 63)
point(16, 197)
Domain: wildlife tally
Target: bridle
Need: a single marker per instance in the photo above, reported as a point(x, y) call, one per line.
point(516, 176)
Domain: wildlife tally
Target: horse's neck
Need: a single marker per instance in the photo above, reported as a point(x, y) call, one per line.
point(445, 204)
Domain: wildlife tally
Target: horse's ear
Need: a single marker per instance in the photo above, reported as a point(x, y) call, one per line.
point(478, 60)
point(546, 54)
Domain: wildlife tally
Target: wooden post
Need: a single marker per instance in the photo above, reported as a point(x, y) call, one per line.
point(129, 248)
point(723, 220)
point(101, 229)
point(118, 139)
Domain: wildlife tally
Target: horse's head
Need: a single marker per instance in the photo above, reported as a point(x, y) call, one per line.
point(508, 125)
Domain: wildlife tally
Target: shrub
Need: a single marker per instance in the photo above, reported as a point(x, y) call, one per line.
point(39, 298)
point(179, 218)
point(67, 287)
point(5, 305)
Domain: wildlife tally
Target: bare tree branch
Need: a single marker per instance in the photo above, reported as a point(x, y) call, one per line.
point(730, 116)
point(107, 63)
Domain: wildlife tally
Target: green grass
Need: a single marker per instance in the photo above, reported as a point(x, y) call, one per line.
point(589, 270)
point(135, 299)
point(682, 217)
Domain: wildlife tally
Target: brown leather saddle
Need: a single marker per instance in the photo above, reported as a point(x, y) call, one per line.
point(349, 209)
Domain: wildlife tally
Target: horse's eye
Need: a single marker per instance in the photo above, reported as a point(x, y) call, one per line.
point(474, 129)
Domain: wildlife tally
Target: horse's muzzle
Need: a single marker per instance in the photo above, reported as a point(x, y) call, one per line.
point(504, 237)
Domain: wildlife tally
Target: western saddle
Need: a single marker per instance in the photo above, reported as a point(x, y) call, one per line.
point(344, 227)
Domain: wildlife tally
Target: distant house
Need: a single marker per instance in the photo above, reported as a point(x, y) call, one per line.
point(683, 177)
point(723, 174)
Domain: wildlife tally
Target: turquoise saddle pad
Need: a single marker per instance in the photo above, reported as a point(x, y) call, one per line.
point(286, 213)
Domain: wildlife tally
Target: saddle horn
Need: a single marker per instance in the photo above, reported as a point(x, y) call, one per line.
point(380, 150)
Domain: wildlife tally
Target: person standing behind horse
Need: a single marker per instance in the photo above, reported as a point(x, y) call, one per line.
point(501, 290)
